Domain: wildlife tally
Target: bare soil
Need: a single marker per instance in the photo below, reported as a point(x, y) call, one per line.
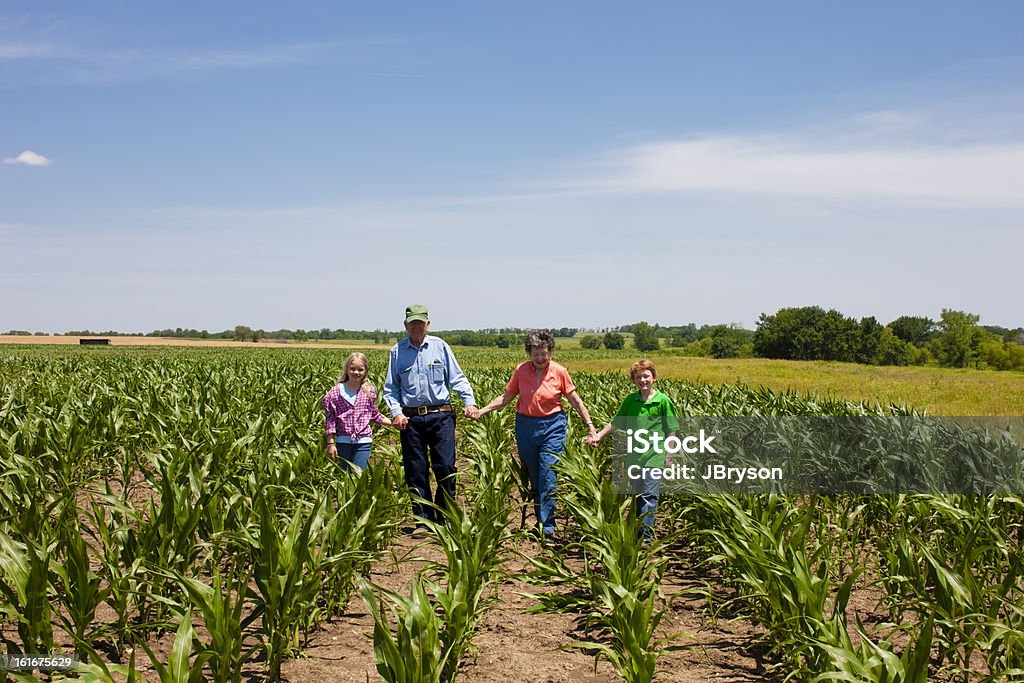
point(516, 645)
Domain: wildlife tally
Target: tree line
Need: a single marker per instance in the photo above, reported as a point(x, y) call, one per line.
point(955, 340)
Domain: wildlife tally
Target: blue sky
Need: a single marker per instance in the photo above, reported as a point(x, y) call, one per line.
point(317, 164)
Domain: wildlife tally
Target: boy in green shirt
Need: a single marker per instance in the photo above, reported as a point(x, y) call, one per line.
point(653, 411)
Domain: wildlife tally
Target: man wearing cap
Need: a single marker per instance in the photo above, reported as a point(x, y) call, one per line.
point(422, 373)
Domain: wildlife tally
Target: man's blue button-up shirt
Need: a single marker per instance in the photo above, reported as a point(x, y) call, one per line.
point(424, 376)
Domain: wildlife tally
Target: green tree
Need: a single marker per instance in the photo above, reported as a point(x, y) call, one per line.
point(915, 329)
point(808, 333)
point(891, 350)
point(791, 333)
point(956, 345)
point(590, 341)
point(698, 349)
point(243, 333)
point(644, 338)
point(871, 332)
point(840, 337)
point(727, 340)
point(614, 340)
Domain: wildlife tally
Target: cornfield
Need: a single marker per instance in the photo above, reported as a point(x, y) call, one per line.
point(186, 495)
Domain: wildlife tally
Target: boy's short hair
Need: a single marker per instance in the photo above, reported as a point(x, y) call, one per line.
point(640, 366)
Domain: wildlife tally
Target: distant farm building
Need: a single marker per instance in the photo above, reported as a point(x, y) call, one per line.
point(94, 342)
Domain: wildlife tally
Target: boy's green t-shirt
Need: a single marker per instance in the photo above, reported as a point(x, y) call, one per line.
point(657, 415)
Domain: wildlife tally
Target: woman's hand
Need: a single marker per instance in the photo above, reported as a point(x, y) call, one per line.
point(593, 439)
point(497, 404)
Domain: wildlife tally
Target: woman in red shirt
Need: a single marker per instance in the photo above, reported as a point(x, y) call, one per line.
point(540, 383)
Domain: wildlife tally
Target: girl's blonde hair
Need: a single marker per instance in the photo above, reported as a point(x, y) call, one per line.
point(355, 356)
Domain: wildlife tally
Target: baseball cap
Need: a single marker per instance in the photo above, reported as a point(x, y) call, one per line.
point(416, 312)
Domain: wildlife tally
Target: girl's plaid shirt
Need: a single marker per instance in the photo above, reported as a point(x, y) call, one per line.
point(345, 419)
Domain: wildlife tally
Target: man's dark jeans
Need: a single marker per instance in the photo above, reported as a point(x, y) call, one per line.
point(429, 439)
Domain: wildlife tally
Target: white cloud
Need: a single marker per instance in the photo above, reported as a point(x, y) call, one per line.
point(964, 175)
point(29, 158)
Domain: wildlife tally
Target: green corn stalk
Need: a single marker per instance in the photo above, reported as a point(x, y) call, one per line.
point(366, 512)
point(472, 544)
point(287, 573)
point(80, 591)
point(24, 582)
point(98, 671)
point(413, 652)
point(871, 662)
point(621, 571)
point(119, 565)
point(178, 669)
point(221, 606)
point(784, 573)
point(958, 564)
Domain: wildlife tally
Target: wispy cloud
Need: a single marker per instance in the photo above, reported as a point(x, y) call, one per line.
point(972, 175)
point(891, 120)
point(13, 51)
point(29, 158)
point(170, 62)
point(60, 65)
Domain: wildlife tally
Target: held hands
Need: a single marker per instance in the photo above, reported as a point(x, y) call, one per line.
point(400, 422)
point(471, 412)
point(592, 439)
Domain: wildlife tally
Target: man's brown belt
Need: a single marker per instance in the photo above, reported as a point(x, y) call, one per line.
point(423, 410)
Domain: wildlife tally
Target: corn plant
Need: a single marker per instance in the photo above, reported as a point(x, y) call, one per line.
point(178, 668)
point(120, 566)
point(24, 583)
point(871, 662)
point(472, 543)
point(222, 605)
point(618, 590)
point(784, 573)
point(958, 564)
point(287, 578)
point(80, 589)
point(412, 653)
point(363, 513)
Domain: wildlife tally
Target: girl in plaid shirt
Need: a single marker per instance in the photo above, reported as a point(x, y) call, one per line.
point(350, 406)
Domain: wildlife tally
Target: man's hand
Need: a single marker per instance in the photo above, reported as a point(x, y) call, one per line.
point(471, 412)
point(332, 451)
point(400, 422)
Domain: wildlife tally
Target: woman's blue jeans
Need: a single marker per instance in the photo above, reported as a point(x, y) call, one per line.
point(540, 441)
point(357, 454)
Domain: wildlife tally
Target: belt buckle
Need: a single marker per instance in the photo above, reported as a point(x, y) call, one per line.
point(421, 410)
